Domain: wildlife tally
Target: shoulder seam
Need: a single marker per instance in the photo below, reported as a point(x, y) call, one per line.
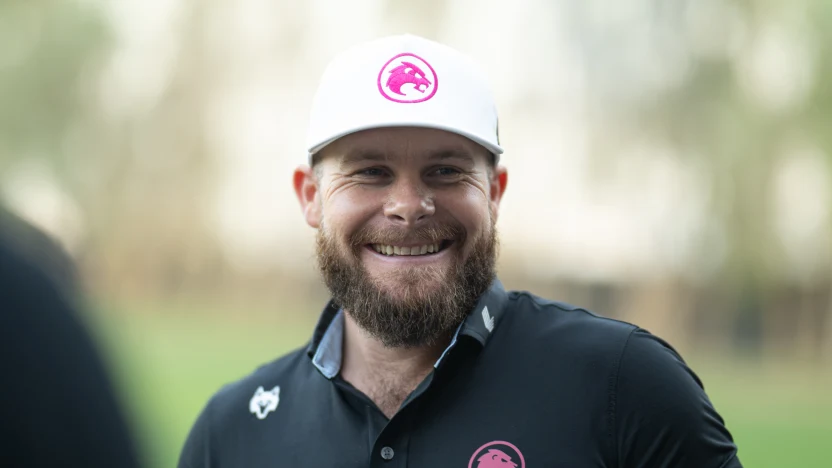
point(613, 398)
point(557, 305)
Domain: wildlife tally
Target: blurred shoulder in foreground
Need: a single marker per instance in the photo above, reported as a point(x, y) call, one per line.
point(57, 404)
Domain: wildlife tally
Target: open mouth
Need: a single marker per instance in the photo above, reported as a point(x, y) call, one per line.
point(410, 251)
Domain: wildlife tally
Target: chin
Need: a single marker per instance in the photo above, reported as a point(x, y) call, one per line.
point(411, 283)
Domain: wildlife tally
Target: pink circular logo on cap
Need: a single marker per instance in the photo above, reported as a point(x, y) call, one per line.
point(408, 79)
point(497, 454)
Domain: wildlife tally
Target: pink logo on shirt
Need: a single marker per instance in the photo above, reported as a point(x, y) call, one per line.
point(497, 454)
point(408, 79)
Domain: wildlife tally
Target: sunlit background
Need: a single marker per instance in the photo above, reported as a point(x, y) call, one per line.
point(670, 164)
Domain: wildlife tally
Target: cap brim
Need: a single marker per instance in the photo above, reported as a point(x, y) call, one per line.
point(496, 150)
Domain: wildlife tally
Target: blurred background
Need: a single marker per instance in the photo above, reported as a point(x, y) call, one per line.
point(670, 165)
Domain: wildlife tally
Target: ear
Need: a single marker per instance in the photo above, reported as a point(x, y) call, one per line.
point(307, 190)
point(499, 181)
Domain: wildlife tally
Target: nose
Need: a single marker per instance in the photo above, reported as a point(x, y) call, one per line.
point(409, 203)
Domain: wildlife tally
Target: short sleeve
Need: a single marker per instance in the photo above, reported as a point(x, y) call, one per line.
point(663, 418)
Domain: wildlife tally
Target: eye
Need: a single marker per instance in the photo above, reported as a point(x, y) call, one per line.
point(371, 172)
point(447, 172)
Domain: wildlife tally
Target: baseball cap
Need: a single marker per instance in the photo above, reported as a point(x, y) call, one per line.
point(403, 81)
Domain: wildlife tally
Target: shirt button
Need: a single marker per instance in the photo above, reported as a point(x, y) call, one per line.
point(387, 453)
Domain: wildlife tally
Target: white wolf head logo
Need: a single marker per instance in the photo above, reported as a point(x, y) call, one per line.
point(263, 402)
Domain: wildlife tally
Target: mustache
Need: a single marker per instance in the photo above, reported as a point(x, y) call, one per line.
point(394, 235)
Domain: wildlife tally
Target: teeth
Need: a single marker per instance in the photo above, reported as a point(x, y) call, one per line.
point(395, 250)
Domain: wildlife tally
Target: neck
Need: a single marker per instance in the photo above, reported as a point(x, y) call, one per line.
point(386, 375)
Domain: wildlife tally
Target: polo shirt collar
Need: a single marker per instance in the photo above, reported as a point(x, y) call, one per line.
point(327, 357)
point(486, 315)
point(326, 346)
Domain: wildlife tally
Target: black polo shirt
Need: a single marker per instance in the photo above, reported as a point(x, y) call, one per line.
point(526, 382)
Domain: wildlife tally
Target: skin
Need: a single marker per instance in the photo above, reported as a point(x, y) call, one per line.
point(400, 178)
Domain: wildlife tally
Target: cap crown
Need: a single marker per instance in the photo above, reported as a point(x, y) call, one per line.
point(403, 81)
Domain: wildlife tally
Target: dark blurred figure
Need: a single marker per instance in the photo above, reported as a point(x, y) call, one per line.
point(57, 404)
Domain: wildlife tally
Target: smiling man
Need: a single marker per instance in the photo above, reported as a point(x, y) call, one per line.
point(421, 358)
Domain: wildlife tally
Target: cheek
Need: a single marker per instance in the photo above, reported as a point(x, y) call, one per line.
point(347, 212)
point(472, 210)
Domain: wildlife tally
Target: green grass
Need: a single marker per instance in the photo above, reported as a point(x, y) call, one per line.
point(168, 365)
point(168, 368)
point(780, 415)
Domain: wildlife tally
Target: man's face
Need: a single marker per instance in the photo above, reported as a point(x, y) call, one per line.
point(406, 238)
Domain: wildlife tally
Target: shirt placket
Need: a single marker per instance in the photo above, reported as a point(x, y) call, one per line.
point(390, 450)
point(392, 445)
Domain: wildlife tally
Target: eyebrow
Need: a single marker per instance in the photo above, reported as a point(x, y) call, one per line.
point(368, 155)
point(362, 155)
point(451, 154)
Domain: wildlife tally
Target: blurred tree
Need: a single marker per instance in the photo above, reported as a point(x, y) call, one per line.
point(44, 48)
point(729, 84)
point(139, 177)
point(147, 183)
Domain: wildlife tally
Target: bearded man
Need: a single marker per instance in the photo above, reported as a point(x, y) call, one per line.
point(421, 358)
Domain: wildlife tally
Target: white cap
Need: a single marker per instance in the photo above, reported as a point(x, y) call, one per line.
point(403, 81)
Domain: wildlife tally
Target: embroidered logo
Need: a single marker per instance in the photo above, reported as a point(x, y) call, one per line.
point(497, 454)
point(408, 79)
point(487, 319)
point(263, 402)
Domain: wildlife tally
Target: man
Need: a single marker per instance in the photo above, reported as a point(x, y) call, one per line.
point(57, 404)
point(422, 359)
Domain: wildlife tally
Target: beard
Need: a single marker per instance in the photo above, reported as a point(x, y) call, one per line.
point(430, 301)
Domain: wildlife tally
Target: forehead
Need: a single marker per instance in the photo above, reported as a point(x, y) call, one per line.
point(403, 144)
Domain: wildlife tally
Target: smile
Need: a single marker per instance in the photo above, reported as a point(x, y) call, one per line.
point(415, 250)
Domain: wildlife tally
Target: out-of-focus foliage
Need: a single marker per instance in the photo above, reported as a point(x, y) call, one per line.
point(137, 180)
point(47, 48)
point(741, 92)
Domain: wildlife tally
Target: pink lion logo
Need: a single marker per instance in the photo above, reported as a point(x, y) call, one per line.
point(489, 456)
point(407, 73)
point(495, 459)
point(407, 69)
